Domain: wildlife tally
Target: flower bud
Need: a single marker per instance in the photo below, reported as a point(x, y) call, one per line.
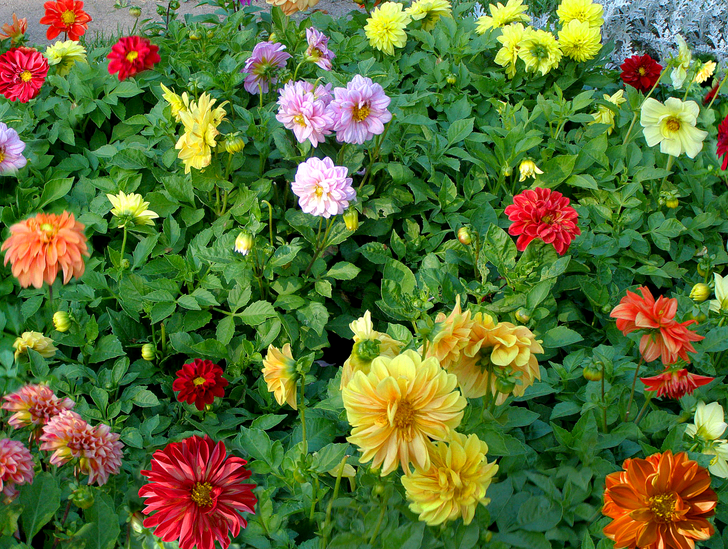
point(194, 35)
point(504, 385)
point(366, 349)
point(451, 79)
point(593, 372)
point(61, 321)
point(234, 144)
point(125, 264)
point(522, 315)
point(244, 243)
point(149, 351)
point(528, 168)
point(272, 37)
point(464, 236)
point(351, 219)
point(700, 292)
point(82, 497)
point(672, 203)
point(137, 522)
point(135, 11)
point(507, 171)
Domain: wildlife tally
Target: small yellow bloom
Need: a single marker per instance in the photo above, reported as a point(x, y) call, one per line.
point(672, 125)
point(682, 63)
point(605, 115)
point(700, 292)
point(244, 243)
point(429, 12)
point(279, 373)
point(500, 16)
point(511, 37)
point(200, 130)
point(709, 422)
point(540, 51)
point(528, 169)
point(705, 72)
point(65, 55)
point(351, 219)
point(579, 41)
point(131, 209)
point(61, 321)
point(177, 103)
point(385, 27)
point(585, 11)
point(720, 303)
point(34, 340)
point(368, 345)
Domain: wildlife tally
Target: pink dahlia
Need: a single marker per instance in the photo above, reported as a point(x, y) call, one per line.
point(723, 142)
point(267, 59)
point(199, 382)
point(318, 48)
point(198, 494)
point(359, 110)
point(545, 214)
point(11, 150)
point(322, 188)
point(301, 111)
point(34, 405)
point(16, 467)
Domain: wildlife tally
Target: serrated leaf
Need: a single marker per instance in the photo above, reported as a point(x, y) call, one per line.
point(343, 271)
point(225, 330)
point(105, 348)
point(257, 313)
point(102, 524)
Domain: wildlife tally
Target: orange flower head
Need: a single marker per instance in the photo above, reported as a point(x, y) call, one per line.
point(450, 336)
point(65, 16)
point(38, 247)
point(661, 502)
point(14, 31)
point(279, 373)
point(675, 383)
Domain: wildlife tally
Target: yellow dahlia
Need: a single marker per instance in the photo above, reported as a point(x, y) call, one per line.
point(397, 407)
point(585, 11)
point(200, 130)
point(672, 126)
point(131, 209)
point(429, 12)
point(540, 51)
point(579, 41)
point(176, 103)
point(385, 27)
point(705, 72)
point(450, 336)
point(290, 7)
point(454, 484)
point(500, 16)
point(605, 115)
point(34, 340)
point(64, 55)
point(368, 345)
point(279, 373)
point(511, 37)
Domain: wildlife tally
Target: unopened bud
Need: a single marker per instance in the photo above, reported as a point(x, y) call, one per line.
point(507, 171)
point(451, 79)
point(522, 315)
point(234, 144)
point(194, 35)
point(593, 372)
point(244, 243)
point(272, 37)
point(82, 497)
point(137, 522)
point(135, 11)
point(700, 292)
point(464, 236)
point(351, 219)
point(672, 203)
point(61, 321)
point(149, 351)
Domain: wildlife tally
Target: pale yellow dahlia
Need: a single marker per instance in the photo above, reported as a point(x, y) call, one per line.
point(672, 125)
point(429, 12)
point(605, 115)
point(385, 27)
point(368, 345)
point(279, 373)
point(681, 63)
point(454, 484)
point(131, 209)
point(527, 169)
point(511, 37)
point(500, 16)
point(200, 130)
point(450, 336)
point(398, 407)
point(585, 11)
point(65, 55)
point(34, 340)
point(290, 7)
point(177, 103)
point(579, 41)
point(540, 51)
point(705, 72)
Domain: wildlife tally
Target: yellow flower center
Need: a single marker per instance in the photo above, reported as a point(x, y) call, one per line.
point(199, 381)
point(673, 124)
point(132, 55)
point(360, 113)
point(298, 119)
point(48, 232)
point(319, 191)
point(642, 71)
point(663, 507)
point(26, 76)
point(201, 494)
point(546, 219)
point(68, 17)
point(2, 155)
point(404, 416)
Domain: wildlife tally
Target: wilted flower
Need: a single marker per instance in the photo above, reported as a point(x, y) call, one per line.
point(528, 168)
point(641, 72)
point(302, 110)
point(65, 16)
point(511, 37)
point(61, 321)
point(513, 12)
point(64, 55)
point(682, 63)
point(605, 115)
point(132, 55)
point(675, 383)
point(705, 72)
point(584, 11)
point(200, 122)
point(368, 345)
point(199, 382)
point(359, 111)
point(130, 209)
point(34, 405)
point(723, 142)
point(579, 41)
point(14, 31)
point(540, 51)
point(177, 103)
point(22, 73)
point(429, 12)
point(262, 65)
point(322, 188)
point(34, 340)
point(700, 292)
point(279, 373)
point(672, 126)
point(290, 7)
point(244, 243)
point(709, 422)
point(11, 150)
point(385, 27)
point(318, 49)
point(16, 467)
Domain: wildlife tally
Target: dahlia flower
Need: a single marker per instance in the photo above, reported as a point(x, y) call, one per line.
point(318, 49)
point(199, 382)
point(64, 55)
point(675, 383)
point(244, 243)
point(267, 58)
point(454, 484)
point(661, 501)
point(65, 16)
point(14, 31)
point(290, 7)
point(429, 12)
point(34, 340)
point(279, 373)
point(200, 123)
point(16, 467)
point(682, 63)
point(579, 41)
point(301, 111)
point(527, 169)
point(705, 72)
point(540, 51)
point(543, 214)
point(198, 494)
point(450, 336)
point(322, 188)
point(11, 150)
point(385, 27)
point(132, 55)
point(723, 143)
point(672, 126)
point(359, 110)
point(605, 115)
point(34, 405)
point(584, 11)
point(22, 73)
point(709, 422)
point(38, 246)
point(510, 37)
point(130, 209)
point(513, 12)
point(397, 407)
point(641, 72)
point(177, 104)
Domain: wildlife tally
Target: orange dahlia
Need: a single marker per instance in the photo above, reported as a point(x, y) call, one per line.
point(65, 16)
point(39, 246)
point(280, 375)
point(661, 502)
point(450, 335)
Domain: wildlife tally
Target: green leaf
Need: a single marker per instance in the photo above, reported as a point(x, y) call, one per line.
point(539, 514)
point(315, 315)
point(343, 271)
point(329, 457)
point(560, 336)
point(105, 348)
point(225, 330)
point(55, 189)
point(188, 302)
point(526, 540)
point(257, 313)
point(459, 130)
point(38, 365)
point(102, 524)
point(160, 311)
point(376, 252)
point(40, 502)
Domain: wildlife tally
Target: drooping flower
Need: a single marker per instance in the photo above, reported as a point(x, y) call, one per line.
point(200, 123)
point(543, 214)
point(199, 382)
point(61, 321)
point(709, 422)
point(605, 115)
point(675, 383)
point(397, 407)
point(584, 11)
point(360, 110)
point(16, 467)
point(672, 126)
point(540, 51)
point(64, 55)
point(454, 484)
point(244, 243)
point(14, 31)
point(177, 103)
point(322, 188)
point(664, 337)
point(723, 143)
point(22, 73)
point(705, 72)
point(385, 27)
point(513, 12)
point(318, 49)
point(132, 55)
point(579, 41)
point(263, 64)
point(303, 112)
point(661, 501)
point(527, 169)
point(719, 464)
point(34, 405)
point(682, 63)
point(290, 7)
point(279, 373)
point(641, 72)
point(34, 340)
point(131, 209)
point(429, 12)
point(11, 150)
point(65, 16)
point(511, 37)
point(40, 245)
point(198, 493)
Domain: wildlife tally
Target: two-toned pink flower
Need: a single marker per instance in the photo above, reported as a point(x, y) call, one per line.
point(16, 467)
point(263, 65)
point(318, 51)
point(322, 188)
point(304, 110)
point(11, 150)
point(359, 110)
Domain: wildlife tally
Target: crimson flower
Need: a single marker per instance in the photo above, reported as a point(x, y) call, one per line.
point(199, 382)
point(132, 55)
point(675, 384)
point(22, 73)
point(641, 72)
point(723, 142)
point(65, 16)
point(545, 214)
point(711, 94)
point(198, 494)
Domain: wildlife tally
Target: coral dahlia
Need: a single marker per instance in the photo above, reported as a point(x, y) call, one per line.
point(34, 405)
point(14, 31)
point(132, 55)
point(290, 7)
point(65, 16)
point(675, 383)
point(640, 72)
point(199, 382)
point(723, 143)
point(198, 494)
point(22, 73)
point(16, 467)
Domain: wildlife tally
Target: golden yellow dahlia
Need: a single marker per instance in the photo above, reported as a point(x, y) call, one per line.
point(429, 12)
point(579, 41)
point(200, 130)
point(279, 373)
point(400, 405)
point(585, 11)
point(290, 7)
point(511, 37)
point(450, 336)
point(368, 345)
point(540, 51)
point(177, 103)
point(500, 16)
point(385, 27)
point(705, 72)
point(131, 209)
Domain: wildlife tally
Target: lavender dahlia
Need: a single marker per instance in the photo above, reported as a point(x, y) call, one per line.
point(322, 188)
point(304, 111)
point(359, 110)
point(318, 48)
point(11, 149)
point(267, 58)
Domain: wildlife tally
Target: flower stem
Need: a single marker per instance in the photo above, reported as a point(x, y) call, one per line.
point(320, 246)
point(631, 394)
point(604, 404)
point(654, 86)
point(379, 521)
point(718, 90)
point(270, 220)
point(374, 156)
point(302, 409)
point(330, 506)
point(644, 408)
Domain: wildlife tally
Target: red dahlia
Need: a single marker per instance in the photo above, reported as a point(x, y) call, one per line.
point(545, 214)
point(723, 142)
point(199, 382)
point(675, 384)
point(132, 55)
point(641, 72)
point(22, 73)
point(198, 493)
point(711, 94)
point(65, 16)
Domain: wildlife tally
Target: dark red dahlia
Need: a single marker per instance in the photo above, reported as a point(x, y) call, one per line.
point(723, 142)
point(22, 73)
point(132, 55)
point(641, 72)
point(545, 214)
point(199, 382)
point(675, 384)
point(711, 94)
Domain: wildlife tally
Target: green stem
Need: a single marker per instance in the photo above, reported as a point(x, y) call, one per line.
point(270, 220)
point(302, 410)
point(644, 408)
point(654, 87)
point(629, 130)
point(718, 90)
point(295, 72)
point(320, 246)
point(604, 404)
point(373, 158)
point(379, 521)
point(123, 247)
point(631, 394)
point(330, 506)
